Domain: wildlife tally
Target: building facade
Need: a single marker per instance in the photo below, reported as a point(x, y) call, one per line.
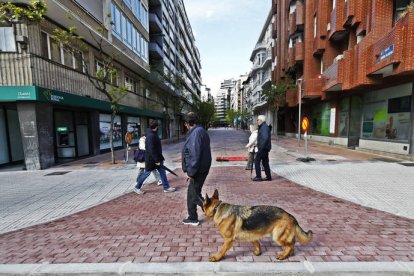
point(261, 73)
point(173, 53)
point(222, 101)
point(353, 67)
point(49, 110)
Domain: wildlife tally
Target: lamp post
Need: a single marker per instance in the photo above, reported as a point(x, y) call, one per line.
point(299, 81)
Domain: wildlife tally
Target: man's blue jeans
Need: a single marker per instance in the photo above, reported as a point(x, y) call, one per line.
point(146, 173)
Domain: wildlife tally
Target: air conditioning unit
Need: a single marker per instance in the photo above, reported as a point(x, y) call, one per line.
point(338, 57)
point(328, 27)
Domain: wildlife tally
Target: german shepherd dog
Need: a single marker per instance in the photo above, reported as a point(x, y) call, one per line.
point(251, 223)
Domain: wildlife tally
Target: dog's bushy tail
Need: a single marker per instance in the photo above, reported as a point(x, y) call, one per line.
point(302, 236)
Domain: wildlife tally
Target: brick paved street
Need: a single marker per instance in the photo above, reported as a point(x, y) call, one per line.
point(147, 228)
point(90, 215)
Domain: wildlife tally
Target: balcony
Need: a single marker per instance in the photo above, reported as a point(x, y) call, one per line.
point(313, 88)
point(333, 76)
point(337, 31)
point(155, 51)
point(155, 23)
point(259, 46)
point(291, 53)
point(392, 54)
point(300, 13)
point(318, 46)
point(353, 13)
point(292, 23)
point(299, 51)
point(292, 97)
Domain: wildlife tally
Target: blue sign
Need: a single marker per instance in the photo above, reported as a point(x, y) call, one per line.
point(387, 52)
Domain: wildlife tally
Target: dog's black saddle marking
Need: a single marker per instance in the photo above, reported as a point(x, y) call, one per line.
point(260, 217)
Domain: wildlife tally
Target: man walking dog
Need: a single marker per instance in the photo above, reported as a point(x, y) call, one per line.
point(196, 162)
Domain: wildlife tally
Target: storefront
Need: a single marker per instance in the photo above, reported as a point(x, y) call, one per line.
point(386, 123)
point(11, 150)
point(59, 126)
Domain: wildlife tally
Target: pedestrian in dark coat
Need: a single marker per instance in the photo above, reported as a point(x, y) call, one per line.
point(264, 145)
point(153, 159)
point(196, 163)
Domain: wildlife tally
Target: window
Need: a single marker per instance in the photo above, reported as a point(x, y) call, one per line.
point(101, 69)
point(130, 84)
point(66, 56)
point(116, 20)
point(137, 4)
point(333, 4)
point(144, 16)
point(314, 26)
point(7, 41)
point(128, 3)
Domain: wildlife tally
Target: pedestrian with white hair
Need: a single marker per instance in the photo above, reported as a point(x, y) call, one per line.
point(264, 145)
point(252, 147)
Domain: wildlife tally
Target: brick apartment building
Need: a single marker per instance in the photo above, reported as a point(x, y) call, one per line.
point(353, 63)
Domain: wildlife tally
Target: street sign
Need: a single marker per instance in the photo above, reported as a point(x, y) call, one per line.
point(305, 124)
point(128, 138)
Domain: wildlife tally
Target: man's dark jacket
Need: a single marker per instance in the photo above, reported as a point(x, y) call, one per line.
point(153, 150)
point(264, 143)
point(196, 154)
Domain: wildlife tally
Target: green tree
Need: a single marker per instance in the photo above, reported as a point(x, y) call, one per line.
point(275, 95)
point(230, 116)
point(32, 13)
point(206, 112)
point(104, 77)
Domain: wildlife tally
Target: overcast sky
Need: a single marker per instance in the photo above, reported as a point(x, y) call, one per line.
point(226, 32)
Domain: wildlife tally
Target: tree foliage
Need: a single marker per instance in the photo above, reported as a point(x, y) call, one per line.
point(275, 93)
point(206, 112)
point(103, 77)
point(32, 13)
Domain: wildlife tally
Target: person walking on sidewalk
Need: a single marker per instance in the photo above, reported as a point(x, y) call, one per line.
point(141, 164)
point(196, 163)
point(264, 145)
point(153, 159)
point(251, 147)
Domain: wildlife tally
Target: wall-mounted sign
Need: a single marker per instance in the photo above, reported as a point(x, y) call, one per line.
point(387, 52)
point(62, 129)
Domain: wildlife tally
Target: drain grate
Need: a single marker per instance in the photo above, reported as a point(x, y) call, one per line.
point(407, 164)
point(57, 173)
point(389, 160)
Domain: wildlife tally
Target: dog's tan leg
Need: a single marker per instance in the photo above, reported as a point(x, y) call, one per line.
point(257, 250)
point(226, 246)
point(289, 249)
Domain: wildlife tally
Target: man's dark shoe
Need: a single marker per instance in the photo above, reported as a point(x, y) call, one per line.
point(193, 222)
point(268, 179)
point(257, 179)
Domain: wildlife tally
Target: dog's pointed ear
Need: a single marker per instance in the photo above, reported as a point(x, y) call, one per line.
point(216, 195)
point(207, 200)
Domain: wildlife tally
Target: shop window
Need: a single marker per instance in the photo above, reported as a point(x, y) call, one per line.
point(104, 126)
point(7, 40)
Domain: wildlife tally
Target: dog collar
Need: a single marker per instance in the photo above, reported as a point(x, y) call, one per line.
point(215, 208)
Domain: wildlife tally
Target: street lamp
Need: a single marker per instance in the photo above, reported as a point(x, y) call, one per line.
point(299, 82)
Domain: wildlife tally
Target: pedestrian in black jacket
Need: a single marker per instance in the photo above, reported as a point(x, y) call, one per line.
point(196, 163)
point(264, 145)
point(153, 159)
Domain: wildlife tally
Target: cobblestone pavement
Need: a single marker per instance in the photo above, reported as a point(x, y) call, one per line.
point(333, 199)
point(147, 228)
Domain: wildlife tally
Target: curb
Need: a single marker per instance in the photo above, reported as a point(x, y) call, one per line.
point(206, 268)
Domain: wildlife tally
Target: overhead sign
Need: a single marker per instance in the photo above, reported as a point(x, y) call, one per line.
point(305, 124)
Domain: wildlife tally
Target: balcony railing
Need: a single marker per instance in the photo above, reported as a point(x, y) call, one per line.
point(395, 48)
point(313, 88)
point(336, 23)
point(292, 23)
point(299, 51)
point(300, 13)
point(333, 76)
point(292, 97)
